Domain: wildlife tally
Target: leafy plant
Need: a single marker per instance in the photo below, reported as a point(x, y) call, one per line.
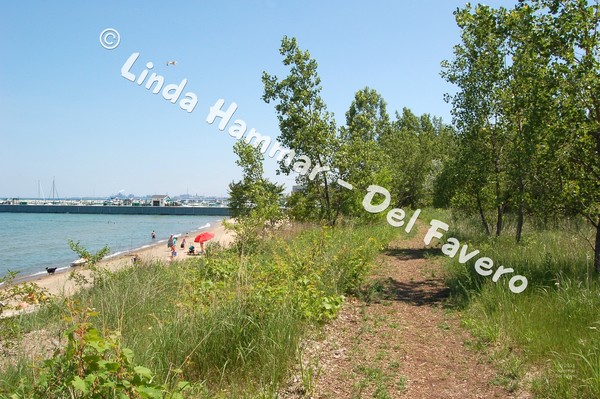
point(255, 201)
point(98, 275)
point(94, 365)
point(19, 296)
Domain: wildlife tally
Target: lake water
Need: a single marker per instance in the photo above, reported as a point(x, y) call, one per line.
point(29, 242)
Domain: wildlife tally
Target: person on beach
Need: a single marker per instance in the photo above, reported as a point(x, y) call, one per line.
point(183, 243)
point(153, 235)
point(173, 252)
point(170, 242)
point(175, 241)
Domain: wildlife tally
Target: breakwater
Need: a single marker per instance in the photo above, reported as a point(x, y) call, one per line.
point(118, 210)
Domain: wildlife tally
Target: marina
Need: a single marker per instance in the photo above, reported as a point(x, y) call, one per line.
point(118, 210)
point(120, 205)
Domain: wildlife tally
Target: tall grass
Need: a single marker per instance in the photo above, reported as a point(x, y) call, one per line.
point(232, 324)
point(554, 325)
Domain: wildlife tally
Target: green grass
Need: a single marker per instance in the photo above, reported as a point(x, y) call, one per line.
point(232, 325)
point(551, 329)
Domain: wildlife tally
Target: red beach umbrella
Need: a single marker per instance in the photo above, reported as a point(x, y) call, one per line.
point(203, 237)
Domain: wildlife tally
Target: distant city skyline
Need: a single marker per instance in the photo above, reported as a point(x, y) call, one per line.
point(123, 195)
point(67, 112)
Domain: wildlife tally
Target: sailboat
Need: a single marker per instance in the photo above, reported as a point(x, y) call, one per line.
point(54, 198)
point(41, 193)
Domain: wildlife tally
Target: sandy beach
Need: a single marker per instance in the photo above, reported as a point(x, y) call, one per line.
point(59, 283)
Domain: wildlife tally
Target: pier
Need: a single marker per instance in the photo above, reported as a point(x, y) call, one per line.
point(118, 210)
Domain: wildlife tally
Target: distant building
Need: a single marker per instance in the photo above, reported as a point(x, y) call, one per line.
point(298, 188)
point(159, 200)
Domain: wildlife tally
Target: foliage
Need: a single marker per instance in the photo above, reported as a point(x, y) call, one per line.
point(302, 205)
point(552, 327)
point(480, 72)
point(232, 323)
point(253, 191)
point(307, 128)
point(92, 258)
point(98, 275)
point(93, 365)
point(527, 112)
point(17, 296)
point(572, 42)
point(360, 158)
point(255, 201)
point(405, 155)
point(416, 148)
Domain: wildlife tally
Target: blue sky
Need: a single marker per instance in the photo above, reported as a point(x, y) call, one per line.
point(67, 113)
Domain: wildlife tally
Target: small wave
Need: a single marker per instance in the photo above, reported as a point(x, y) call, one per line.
point(206, 226)
point(114, 255)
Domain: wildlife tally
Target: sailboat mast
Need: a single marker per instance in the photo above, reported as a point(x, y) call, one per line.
point(54, 190)
point(41, 192)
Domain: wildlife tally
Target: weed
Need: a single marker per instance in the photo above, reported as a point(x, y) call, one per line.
point(310, 373)
point(443, 325)
point(231, 324)
point(552, 323)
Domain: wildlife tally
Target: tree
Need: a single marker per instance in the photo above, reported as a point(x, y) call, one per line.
point(255, 202)
point(532, 123)
point(306, 126)
point(530, 95)
point(479, 70)
point(572, 36)
point(360, 159)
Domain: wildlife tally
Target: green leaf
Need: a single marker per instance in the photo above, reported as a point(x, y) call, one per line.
point(79, 385)
point(128, 353)
point(149, 392)
point(112, 366)
point(143, 372)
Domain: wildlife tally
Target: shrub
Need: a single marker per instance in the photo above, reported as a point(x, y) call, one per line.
point(93, 365)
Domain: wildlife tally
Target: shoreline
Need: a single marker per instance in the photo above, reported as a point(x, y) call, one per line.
point(59, 284)
point(25, 278)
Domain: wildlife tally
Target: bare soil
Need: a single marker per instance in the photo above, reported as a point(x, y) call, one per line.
point(401, 342)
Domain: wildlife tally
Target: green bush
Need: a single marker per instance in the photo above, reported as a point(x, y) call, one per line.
point(93, 365)
point(228, 322)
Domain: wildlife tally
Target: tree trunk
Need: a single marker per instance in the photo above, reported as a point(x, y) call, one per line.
point(497, 188)
point(521, 209)
point(499, 220)
point(482, 215)
point(520, 222)
point(597, 249)
point(500, 207)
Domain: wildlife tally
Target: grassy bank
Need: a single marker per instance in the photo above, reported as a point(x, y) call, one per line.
point(549, 334)
point(229, 326)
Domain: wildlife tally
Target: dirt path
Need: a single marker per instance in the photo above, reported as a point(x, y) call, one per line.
point(403, 344)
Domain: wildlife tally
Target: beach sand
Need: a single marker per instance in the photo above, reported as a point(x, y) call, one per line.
point(59, 283)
